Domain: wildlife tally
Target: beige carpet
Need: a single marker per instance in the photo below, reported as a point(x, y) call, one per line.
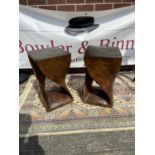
point(78, 116)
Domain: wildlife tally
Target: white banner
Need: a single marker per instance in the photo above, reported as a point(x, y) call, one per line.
point(39, 28)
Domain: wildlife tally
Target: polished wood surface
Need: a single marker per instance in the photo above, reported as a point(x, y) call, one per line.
point(52, 63)
point(102, 66)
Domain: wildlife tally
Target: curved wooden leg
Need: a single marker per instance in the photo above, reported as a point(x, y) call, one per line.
point(41, 83)
point(93, 95)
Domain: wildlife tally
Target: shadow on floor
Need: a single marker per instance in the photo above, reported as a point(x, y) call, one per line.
point(28, 145)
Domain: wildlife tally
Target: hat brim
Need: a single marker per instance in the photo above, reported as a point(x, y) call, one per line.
point(77, 31)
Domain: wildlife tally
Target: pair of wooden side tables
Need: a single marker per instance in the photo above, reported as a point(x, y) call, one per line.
point(102, 66)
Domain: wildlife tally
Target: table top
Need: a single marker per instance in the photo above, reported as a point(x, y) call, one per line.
point(47, 53)
point(103, 52)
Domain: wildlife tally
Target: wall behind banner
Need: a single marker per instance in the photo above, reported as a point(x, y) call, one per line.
point(77, 5)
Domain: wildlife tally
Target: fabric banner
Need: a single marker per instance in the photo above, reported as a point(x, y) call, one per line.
point(39, 28)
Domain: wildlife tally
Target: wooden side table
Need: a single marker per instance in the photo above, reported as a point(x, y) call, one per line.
point(52, 63)
point(102, 66)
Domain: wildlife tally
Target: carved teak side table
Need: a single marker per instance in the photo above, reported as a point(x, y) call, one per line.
point(102, 66)
point(52, 63)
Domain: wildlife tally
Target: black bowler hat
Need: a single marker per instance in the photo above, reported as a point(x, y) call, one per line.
point(80, 25)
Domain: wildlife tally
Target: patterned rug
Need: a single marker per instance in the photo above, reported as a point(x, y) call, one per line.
point(34, 120)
